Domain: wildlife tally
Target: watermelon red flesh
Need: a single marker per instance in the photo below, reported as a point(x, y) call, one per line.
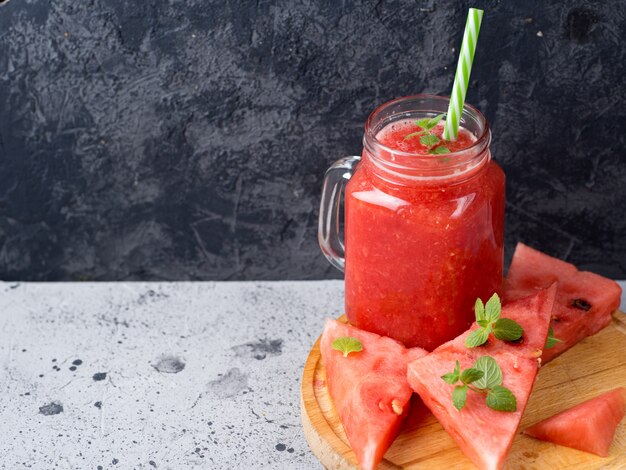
point(483, 434)
point(589, 426)
point(532, 313)
point(369, 389)
point(577, 291)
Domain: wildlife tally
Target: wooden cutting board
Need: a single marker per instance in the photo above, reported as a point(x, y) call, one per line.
point(595, 365)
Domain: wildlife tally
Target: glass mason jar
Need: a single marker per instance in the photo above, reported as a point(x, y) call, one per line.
point(424, 234)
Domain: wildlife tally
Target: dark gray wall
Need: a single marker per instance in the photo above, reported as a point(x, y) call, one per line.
point(187, 139)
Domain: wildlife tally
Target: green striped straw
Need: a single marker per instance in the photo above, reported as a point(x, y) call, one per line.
point(463, 70)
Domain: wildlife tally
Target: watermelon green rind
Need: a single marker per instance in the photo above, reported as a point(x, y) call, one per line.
point(589, 426)
point(532, 270)
point(485, 435)
point(369, 389)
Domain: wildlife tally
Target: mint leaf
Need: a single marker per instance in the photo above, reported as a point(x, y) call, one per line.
point(429, 140)
point(450, 378)
point(439, 150)
point(428, 123)
point(459, 396)
point(551, 340)
point(435, 120)
point(423, 123)
point(493, 308)
point(476, 338)
point(471, 375)
point(413, 134)
point(492, 375)
point(500, 398)
point(507, 330)
point(479, 311)
point(453, 377)
point(347, 345)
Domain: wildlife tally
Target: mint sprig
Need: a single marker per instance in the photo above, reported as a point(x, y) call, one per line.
point(551, 341)
point(347, 345)
point(484, 377)
point(428, 139)
point(489, 321)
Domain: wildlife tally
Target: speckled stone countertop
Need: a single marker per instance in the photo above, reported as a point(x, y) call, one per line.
point(157, 375)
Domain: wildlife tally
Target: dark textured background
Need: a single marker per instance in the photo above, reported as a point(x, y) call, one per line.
point(187, 139)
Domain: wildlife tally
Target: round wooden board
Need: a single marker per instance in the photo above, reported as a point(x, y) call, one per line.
point(595, 365)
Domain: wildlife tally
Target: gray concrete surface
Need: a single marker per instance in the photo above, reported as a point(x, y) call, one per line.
point(157, 375)
point(198, 375)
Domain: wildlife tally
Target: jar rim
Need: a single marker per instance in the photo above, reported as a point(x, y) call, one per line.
point(478, 146)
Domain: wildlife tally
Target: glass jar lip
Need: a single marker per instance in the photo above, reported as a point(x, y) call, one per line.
point(479, 144)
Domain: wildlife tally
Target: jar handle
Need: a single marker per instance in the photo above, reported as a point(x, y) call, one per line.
point(335, 181)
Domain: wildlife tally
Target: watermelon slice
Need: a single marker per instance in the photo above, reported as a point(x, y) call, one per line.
point(483, 434)
point(584, 301)
point(589, 427)
point(369, 389)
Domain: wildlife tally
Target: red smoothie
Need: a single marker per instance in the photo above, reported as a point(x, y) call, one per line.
point(423, 240)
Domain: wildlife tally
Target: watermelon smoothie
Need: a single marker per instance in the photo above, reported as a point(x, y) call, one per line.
point(423, 233)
